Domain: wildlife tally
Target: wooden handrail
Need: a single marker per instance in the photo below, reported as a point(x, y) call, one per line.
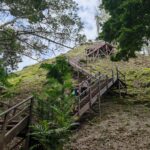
point(18, 114)
point(92, 84)
point(21, 115)
point(94, 50)
point(99, 84)
point(15, 106)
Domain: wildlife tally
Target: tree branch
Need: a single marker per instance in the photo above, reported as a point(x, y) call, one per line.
point(50, 40)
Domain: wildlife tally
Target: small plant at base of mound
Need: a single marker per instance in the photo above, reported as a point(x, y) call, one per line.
point(54, 107)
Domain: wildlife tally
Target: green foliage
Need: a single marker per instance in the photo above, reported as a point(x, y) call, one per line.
point(11, 52)
point(58, 70)
point(34, 26)
point(49, 139)
point(128, 25)
point(3, 76)
point(33, 11)
point(54, 107)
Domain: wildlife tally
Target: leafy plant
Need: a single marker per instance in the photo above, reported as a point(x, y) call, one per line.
point(54, 107)
point(3, 76)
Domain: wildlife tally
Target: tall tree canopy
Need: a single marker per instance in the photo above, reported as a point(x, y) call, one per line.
point(35, 26)
point(128, 25)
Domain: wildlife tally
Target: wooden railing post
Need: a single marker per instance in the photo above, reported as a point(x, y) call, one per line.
point(79, 106)
point(107, 81)
point(126, 91)
point(117, 72)
point(113, 75)
point(28, 137)
point(99, 97)
point(90, 96)
point(2, 142)
point(3, 131)
point(86, 60)
point(78, 75)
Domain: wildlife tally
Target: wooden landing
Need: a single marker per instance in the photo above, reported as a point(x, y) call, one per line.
point(100, 49)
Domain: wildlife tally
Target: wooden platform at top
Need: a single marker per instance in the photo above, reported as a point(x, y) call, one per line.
point(98, 49)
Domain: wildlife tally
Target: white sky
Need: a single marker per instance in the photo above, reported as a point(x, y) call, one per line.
point(87, 12)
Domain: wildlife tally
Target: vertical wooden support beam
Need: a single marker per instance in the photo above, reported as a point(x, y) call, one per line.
point(97, 54)
point(78, 76)
point(86, 60)
point(117, 73)
point(119, 89)
point(79, 89)
point(113, 75)
point(86, 55)
point(99, 97)
point(90, 94)
point(28, 137)
point(79, 106)
point(2, 142)
point(119, 86)
point(14, 112)
point(107, 81)
point(126, 90)
point(2, 134)
point(93, 57)
point(106, 50)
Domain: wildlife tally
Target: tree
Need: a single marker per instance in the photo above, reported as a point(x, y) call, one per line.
point(3, 76)
point(128, 25)
point(33, 27)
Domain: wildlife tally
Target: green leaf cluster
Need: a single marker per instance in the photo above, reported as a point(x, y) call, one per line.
point(54, 107)
point(3, 76)
point(128, 25)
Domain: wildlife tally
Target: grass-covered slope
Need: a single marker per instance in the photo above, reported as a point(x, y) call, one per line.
point(31, 79)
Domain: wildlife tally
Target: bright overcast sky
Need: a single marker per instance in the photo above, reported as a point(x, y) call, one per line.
point(87, 12)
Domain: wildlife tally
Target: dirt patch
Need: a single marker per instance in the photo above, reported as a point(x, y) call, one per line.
point(120, 127)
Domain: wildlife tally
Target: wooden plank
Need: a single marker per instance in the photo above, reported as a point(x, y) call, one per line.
point(84, 109)
point(19, 113)
point(84, 98)
point(16, 130)
point(15, 106)
point(94, 99)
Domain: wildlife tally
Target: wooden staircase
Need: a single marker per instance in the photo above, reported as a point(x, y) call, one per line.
point(14, 122)
point(76, 66)
point(98, 85)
